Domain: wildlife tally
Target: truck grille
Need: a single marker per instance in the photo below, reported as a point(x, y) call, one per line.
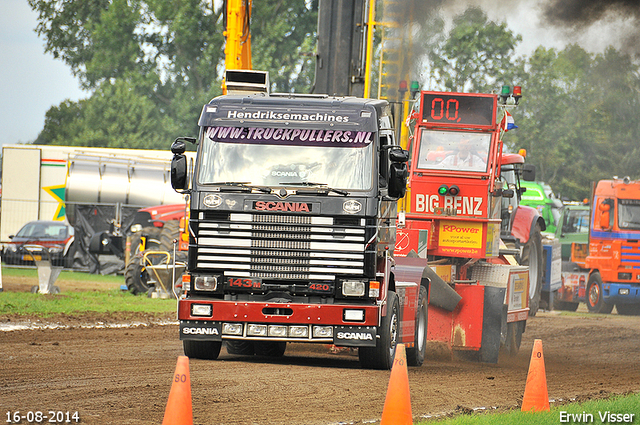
point(630, 256)
point(282, 247)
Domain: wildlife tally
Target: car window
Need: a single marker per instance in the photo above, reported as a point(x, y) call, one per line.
point(48, 231)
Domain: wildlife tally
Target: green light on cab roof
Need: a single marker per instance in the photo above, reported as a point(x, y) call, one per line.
point(506, 90)
point(442, 190)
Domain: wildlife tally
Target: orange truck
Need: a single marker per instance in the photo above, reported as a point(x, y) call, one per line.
point(462, 218)
point(607, 270)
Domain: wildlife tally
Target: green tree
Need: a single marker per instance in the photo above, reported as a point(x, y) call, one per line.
point(478, 54)
point(161, 61)
point(577, 118)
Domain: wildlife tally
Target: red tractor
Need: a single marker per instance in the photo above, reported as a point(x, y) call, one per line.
point(462, 218)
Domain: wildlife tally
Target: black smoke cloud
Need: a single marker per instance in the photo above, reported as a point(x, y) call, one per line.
point(577, 17)
point(583, 13)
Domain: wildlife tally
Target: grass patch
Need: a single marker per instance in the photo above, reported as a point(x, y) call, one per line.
point(77, 303)
point(598, 409)
point(64, 275)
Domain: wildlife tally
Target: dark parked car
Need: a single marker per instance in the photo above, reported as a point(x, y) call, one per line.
point(41, 240)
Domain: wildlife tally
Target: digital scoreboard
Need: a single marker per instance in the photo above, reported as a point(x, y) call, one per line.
point(459, 109)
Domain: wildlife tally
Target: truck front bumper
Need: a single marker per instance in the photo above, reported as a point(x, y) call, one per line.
point(340, 324)
point(621, 293)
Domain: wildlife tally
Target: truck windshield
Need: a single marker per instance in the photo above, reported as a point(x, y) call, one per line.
point(453, 150)
point(629, 214)
point(281, 157)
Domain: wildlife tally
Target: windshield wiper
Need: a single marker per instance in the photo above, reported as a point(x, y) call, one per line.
point(245, 186)
point(324, 186)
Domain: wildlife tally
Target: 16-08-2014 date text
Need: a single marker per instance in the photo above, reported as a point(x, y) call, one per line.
point(49, 416)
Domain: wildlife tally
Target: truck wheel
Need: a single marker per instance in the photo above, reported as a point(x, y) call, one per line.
point(415, 354)
point(595, 297)
point(628, 309)
point(240, 348)
point(205, 350)
point(532, 257)
point(381, 356)
point(136, 276)
point(513, 339)
point(565, 305)
point(270, 348)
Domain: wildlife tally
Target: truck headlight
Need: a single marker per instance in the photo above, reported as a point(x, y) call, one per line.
point(232, 328)
point(203, 310)
point(205, 283)
point(55, 250)
point(353, 288)
point(256, 330)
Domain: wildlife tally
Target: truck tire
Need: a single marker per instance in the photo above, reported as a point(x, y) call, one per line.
point(628, 309)
point(381, 356)
point(204, 350)
point(595, 297)
point(513, 338)
point(270, 348)
point(416, 354)
point(240, 348)
point(565, 305)
point(532, 257)
point(136, 276)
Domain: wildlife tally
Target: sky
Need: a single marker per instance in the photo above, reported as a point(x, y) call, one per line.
point(31, 81)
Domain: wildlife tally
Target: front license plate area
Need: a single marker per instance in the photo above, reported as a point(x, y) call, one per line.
point(243, 283)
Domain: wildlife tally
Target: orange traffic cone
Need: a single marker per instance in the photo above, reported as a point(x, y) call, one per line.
point(178, 410)
point(536, 397)
point(397, 404)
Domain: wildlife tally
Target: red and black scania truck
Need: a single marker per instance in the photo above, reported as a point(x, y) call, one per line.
point(293, 204)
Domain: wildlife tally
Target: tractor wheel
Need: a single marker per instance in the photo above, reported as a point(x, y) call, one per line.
point(416, 354)
point(152, 239)
point(205, 350)
point(170, 232)
point(532, 257)
point(382, 355)
point(595, 297)
point(136, 276)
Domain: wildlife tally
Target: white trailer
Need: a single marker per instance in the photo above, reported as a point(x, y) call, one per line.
point(38, 182)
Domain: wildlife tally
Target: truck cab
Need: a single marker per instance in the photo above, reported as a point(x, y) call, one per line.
point(614, 246)
point(293, 201)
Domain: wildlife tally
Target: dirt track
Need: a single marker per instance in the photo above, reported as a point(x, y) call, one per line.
point(123, 375)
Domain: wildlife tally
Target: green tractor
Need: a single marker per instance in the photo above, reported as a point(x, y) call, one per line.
point(540, 196)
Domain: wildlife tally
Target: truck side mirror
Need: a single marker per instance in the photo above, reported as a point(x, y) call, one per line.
point(398, 180)
point(179, 174)
point(396, 154)
point(605, 215)
point(529, 172)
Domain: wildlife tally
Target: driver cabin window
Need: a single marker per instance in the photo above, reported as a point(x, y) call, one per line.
point(450, 150)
